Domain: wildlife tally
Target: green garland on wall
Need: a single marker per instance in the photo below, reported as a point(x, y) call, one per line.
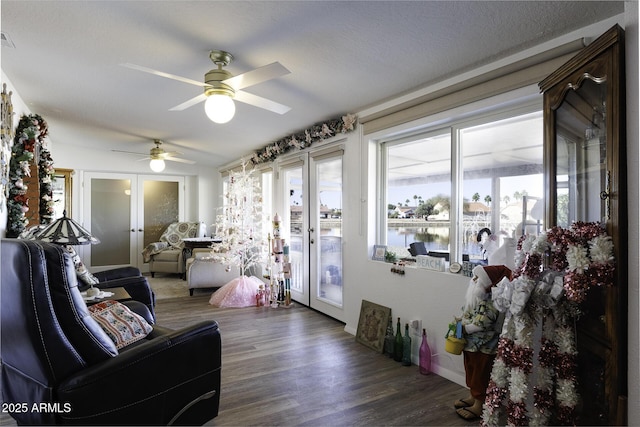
point(29, 139)
point(46, 174)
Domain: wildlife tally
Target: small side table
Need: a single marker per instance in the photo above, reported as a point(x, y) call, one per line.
point(119, 294)
point(190, 244)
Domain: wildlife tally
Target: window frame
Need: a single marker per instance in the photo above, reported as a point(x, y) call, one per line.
point(455, 121)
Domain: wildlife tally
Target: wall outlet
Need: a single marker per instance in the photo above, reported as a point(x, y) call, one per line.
point(415, 328)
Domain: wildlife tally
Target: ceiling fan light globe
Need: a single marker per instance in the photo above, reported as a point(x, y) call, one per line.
point(157, 165)
point(219, 108)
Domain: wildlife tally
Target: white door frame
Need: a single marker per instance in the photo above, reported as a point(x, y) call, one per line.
point(310, 227)
point(317, 300)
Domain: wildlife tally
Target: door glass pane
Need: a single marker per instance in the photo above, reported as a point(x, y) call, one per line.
point(329, 177)
point(502, 186)
point(293, 183)
point(161, 200)
point(267, 203)
point(110, 221)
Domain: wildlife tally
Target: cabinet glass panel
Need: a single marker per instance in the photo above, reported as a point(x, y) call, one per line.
point(581, 154)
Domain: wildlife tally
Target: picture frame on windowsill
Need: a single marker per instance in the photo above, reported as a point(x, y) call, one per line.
point(379, 252)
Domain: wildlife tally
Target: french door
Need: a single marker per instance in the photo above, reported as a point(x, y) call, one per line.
point(127, 212)
point(313, 200)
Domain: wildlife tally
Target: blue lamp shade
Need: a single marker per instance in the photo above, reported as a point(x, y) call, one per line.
point(66, 231)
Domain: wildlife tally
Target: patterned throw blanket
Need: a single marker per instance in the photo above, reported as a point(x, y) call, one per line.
point(171, 238)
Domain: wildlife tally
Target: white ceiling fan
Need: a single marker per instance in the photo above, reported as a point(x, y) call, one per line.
point(157, 155)
point(221, 87)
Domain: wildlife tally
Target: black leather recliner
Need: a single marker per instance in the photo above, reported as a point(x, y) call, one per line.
point(59, 367)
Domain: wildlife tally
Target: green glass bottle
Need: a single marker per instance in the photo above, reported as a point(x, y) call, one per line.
point(406, 347)
point(398, 347)
point(388, 340)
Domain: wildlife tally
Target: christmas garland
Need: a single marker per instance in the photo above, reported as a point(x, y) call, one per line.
point(303, 139)
point(585, 254)
point(514, 361)
point(29, 138)
point(46, 174)
point(579, 258)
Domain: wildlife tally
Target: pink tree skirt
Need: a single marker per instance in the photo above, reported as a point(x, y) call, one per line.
point(240, 292)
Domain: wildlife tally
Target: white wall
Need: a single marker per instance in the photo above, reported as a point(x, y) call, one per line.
point(19, 109)
point(201, 192)
point(633, 197)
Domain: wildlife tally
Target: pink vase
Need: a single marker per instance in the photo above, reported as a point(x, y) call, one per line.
point(425, 355)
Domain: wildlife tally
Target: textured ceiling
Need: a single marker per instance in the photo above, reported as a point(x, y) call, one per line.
point(343, 56)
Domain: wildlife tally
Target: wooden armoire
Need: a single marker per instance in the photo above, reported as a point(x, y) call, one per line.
point(585, 173)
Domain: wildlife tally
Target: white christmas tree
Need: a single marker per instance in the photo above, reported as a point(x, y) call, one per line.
point(239, 223)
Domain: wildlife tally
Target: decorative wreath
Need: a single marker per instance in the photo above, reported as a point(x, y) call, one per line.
point(29, 140)
point(579, 258)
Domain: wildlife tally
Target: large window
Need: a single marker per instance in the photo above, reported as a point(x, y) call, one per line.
point(461, 191)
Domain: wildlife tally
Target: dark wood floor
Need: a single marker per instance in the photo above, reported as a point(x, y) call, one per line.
point(295, 366)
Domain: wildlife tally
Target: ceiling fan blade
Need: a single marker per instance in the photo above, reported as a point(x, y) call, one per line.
point(130, 152)
point(190, 103)
point(177, 159)
point(163, 74)
point(173, 153)
point(259, 75)
point(258, 101)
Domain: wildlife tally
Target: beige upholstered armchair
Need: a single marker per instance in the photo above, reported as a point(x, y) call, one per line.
point(166, 256)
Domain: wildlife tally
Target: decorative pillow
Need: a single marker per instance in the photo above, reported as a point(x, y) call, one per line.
point(123, 326)
point(83, 274)
point(177, 231)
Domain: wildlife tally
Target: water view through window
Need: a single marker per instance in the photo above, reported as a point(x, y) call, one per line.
point(501, 187)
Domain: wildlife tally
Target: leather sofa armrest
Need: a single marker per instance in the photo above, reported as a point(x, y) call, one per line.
point(170, 370)
point(136, 286)
point(117, 273)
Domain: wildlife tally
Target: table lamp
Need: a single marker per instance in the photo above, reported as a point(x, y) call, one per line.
point(65, 231)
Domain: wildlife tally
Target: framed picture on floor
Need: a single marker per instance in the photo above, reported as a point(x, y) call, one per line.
point(372, 325)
